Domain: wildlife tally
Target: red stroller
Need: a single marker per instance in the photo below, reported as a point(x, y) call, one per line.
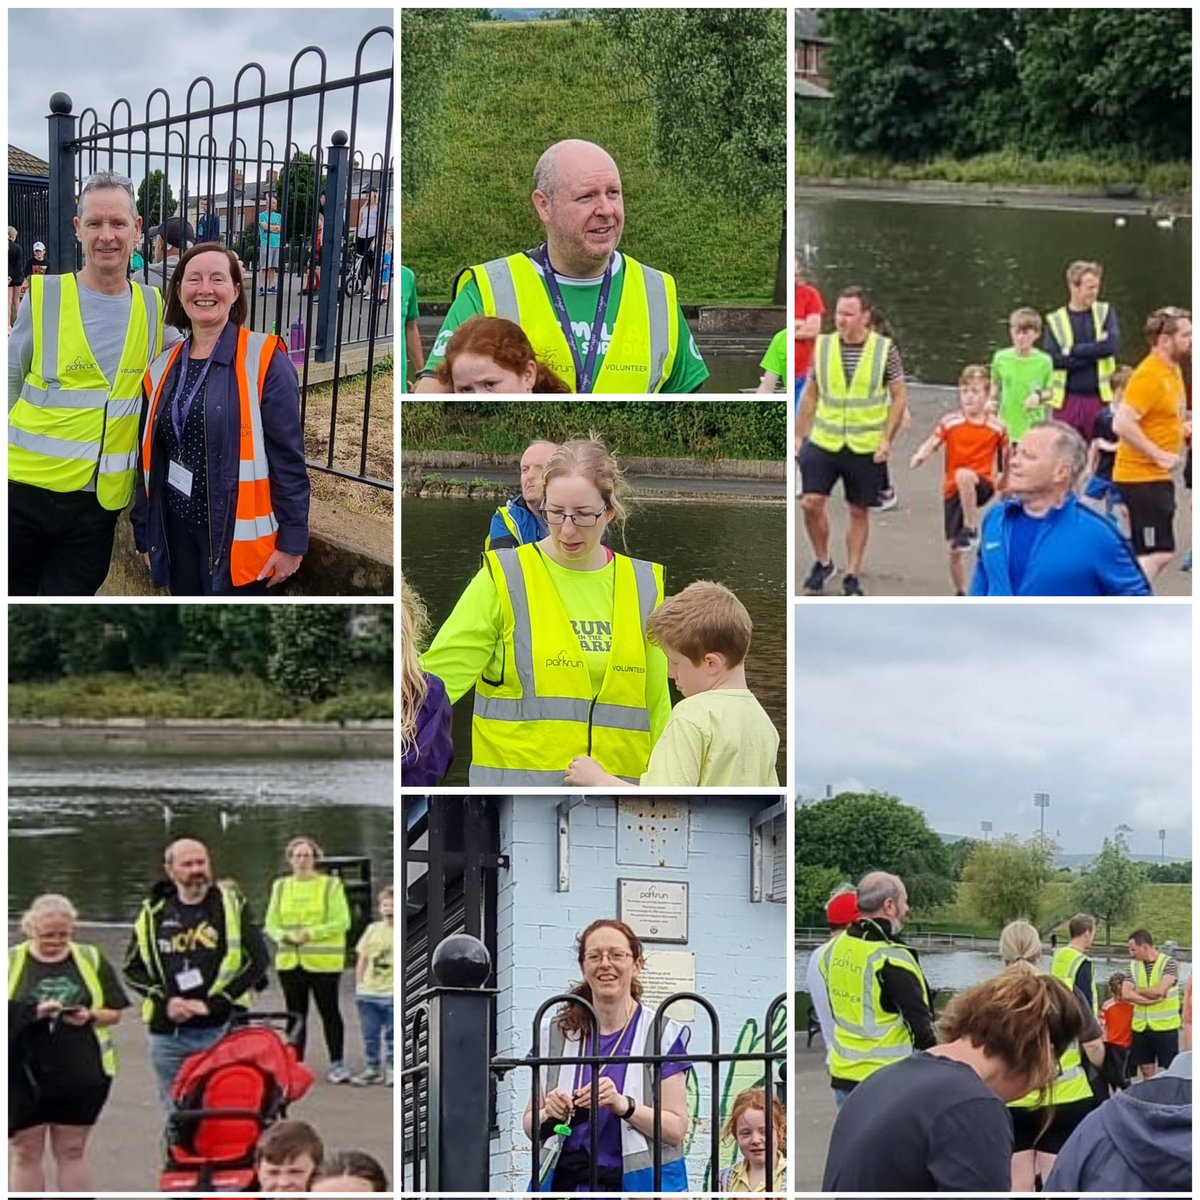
point(226, 1096)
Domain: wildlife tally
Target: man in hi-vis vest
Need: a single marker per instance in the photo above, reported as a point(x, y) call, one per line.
point(599, 319)
point(850, 411)
point(76, 360)
point(1153, 988)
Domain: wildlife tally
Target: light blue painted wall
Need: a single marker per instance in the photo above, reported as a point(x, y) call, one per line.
point(741, 947)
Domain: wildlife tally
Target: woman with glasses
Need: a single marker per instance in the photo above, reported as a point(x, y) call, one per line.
point(610, 957)
point(552, 636)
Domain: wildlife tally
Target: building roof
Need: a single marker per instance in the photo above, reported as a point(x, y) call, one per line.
point(808, 25)
point(21, 162)
point(807, 90)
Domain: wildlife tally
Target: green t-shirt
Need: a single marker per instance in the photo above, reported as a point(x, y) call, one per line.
point(580, 297)
point(408, 311)
point(1017, 376)
point(775, 359)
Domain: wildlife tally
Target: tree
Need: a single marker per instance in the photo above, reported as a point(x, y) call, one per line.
point(300, 172)
point(32, 644)
point(857, 832)
point(960, 853)
point(430, 40)
point(1110, 887)
point(1172, 872)
point(155, 199)
point(717, 80)
point(308, 649)
point(813, 887)
point(1003, 880)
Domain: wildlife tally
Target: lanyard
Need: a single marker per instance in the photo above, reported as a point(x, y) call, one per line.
point(584, 372)
point(179, 412)
point(581, 1067)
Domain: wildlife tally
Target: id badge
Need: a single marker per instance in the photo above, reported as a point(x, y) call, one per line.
point(189, 979)
point(180, 478)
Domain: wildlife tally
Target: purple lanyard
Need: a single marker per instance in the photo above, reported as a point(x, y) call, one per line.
point(584, 372)
point(179, 412)
point(583, 1067)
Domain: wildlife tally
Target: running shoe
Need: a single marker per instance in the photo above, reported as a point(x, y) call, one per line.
point(886, 501)
point(965, 538)
point(338, 1074)
point(272, 291)
point(1186, 565)
point(388, 1076)
point(851, 586)
point(367, 1076)
point(818, 577)
point(262, 291)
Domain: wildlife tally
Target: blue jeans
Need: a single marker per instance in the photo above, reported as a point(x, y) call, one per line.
point(375, 1016)
point(168, 1050)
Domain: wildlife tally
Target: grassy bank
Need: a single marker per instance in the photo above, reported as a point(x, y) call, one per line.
point(683, 429)
point(1009, 168)
point(517, 88)
point(1165, 909)
point(363, 697)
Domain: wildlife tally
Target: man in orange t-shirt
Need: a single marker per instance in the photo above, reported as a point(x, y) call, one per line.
point(1151, 425)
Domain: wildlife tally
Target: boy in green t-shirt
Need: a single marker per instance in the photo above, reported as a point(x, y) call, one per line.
point(373, 994)
point(774, 364)
point(718, 735)
point(1022, 377)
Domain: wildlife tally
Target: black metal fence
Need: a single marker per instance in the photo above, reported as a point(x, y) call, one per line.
point(28, 211)
point(215, 160)
point(446, 1064)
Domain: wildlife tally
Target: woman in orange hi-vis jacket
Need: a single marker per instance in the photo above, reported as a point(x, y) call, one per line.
point(222, 499)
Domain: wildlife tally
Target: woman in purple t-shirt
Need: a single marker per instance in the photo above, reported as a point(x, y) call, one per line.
point(610, 956)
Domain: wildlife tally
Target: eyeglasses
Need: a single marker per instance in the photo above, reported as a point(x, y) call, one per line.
point(579, 520)
point(616, 957)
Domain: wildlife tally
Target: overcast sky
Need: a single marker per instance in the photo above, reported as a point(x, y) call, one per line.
point(966, 710)
point(98, 56)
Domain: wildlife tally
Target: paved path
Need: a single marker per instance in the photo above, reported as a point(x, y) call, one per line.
point(125, 1150)
point(906, 555)
point(814, 1112)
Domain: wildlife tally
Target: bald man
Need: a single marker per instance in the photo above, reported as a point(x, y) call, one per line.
point(194, 954)
point(519, 520)
point(577, 283)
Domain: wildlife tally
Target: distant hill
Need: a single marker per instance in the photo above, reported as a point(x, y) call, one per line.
point(1077, 862)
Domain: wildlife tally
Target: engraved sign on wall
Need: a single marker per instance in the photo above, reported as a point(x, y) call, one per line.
point(656, 910)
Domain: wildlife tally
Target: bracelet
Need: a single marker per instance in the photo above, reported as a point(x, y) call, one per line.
point(630, 1110)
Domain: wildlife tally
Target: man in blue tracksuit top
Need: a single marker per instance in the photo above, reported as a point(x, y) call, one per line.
point(1041, 541)
point(519, 520)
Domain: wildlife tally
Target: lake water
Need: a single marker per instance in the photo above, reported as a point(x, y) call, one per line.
point(94, 827)
point(741, 545)
point(948, 275)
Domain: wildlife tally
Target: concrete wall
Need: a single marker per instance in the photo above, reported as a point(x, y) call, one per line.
point(740, 947)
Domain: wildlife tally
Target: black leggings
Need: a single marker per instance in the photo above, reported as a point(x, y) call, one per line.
point(298, 984)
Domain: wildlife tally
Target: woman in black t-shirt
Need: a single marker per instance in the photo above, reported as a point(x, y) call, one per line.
point(62, 997)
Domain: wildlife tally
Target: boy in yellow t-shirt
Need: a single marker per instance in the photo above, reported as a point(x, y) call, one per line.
point(718, 735)
point(373, 994)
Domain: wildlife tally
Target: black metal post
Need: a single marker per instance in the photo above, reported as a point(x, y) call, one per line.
point(337, 181)
point(460, 1034)
point(61, 234)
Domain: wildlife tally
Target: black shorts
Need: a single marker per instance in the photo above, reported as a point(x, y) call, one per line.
point(1151, 515)
point(1027, 1125)
point(952, 513)
point(1153, 1046)
point(79, 1105)
point(820, 469)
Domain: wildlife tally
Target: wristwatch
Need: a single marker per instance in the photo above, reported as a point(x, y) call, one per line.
point(630, 1110)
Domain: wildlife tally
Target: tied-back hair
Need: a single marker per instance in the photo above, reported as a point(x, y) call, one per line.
point(756, 1098)
point(414, 628)
point(590, 459)
point(1024, 1019)
point(574, 1018)
point(505, 343)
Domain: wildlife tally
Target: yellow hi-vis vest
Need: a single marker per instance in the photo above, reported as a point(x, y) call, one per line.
point(866, 1036)
point(851, 415)
point(1060, 326)
point(71, 422)
point(1162, 1014)
point(541, 712)
point(87, 962)
point(1070, 1085)
point(291, 907)
point(1065, 966)
point(145, 927)
point(645, 331)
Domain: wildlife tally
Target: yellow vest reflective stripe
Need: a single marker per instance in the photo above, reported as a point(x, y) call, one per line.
point(1070, 1085)
point(1060, 326)
point(70, 423)
point(852, 414)
point(326, 955)
point(645, 331)
point(1065, 966)
point(866, 1036)
point(1162, 1014)
point(509, 524)
point(231, 961)
point(87, 962)
point(531, 722)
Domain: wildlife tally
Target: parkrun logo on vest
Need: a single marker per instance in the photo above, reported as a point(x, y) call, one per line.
point(78, 365)
point(563, 661)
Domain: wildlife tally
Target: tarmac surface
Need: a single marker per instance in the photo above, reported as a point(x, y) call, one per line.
point(906, 554)
point(814, 1112)
point(125, 1150)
